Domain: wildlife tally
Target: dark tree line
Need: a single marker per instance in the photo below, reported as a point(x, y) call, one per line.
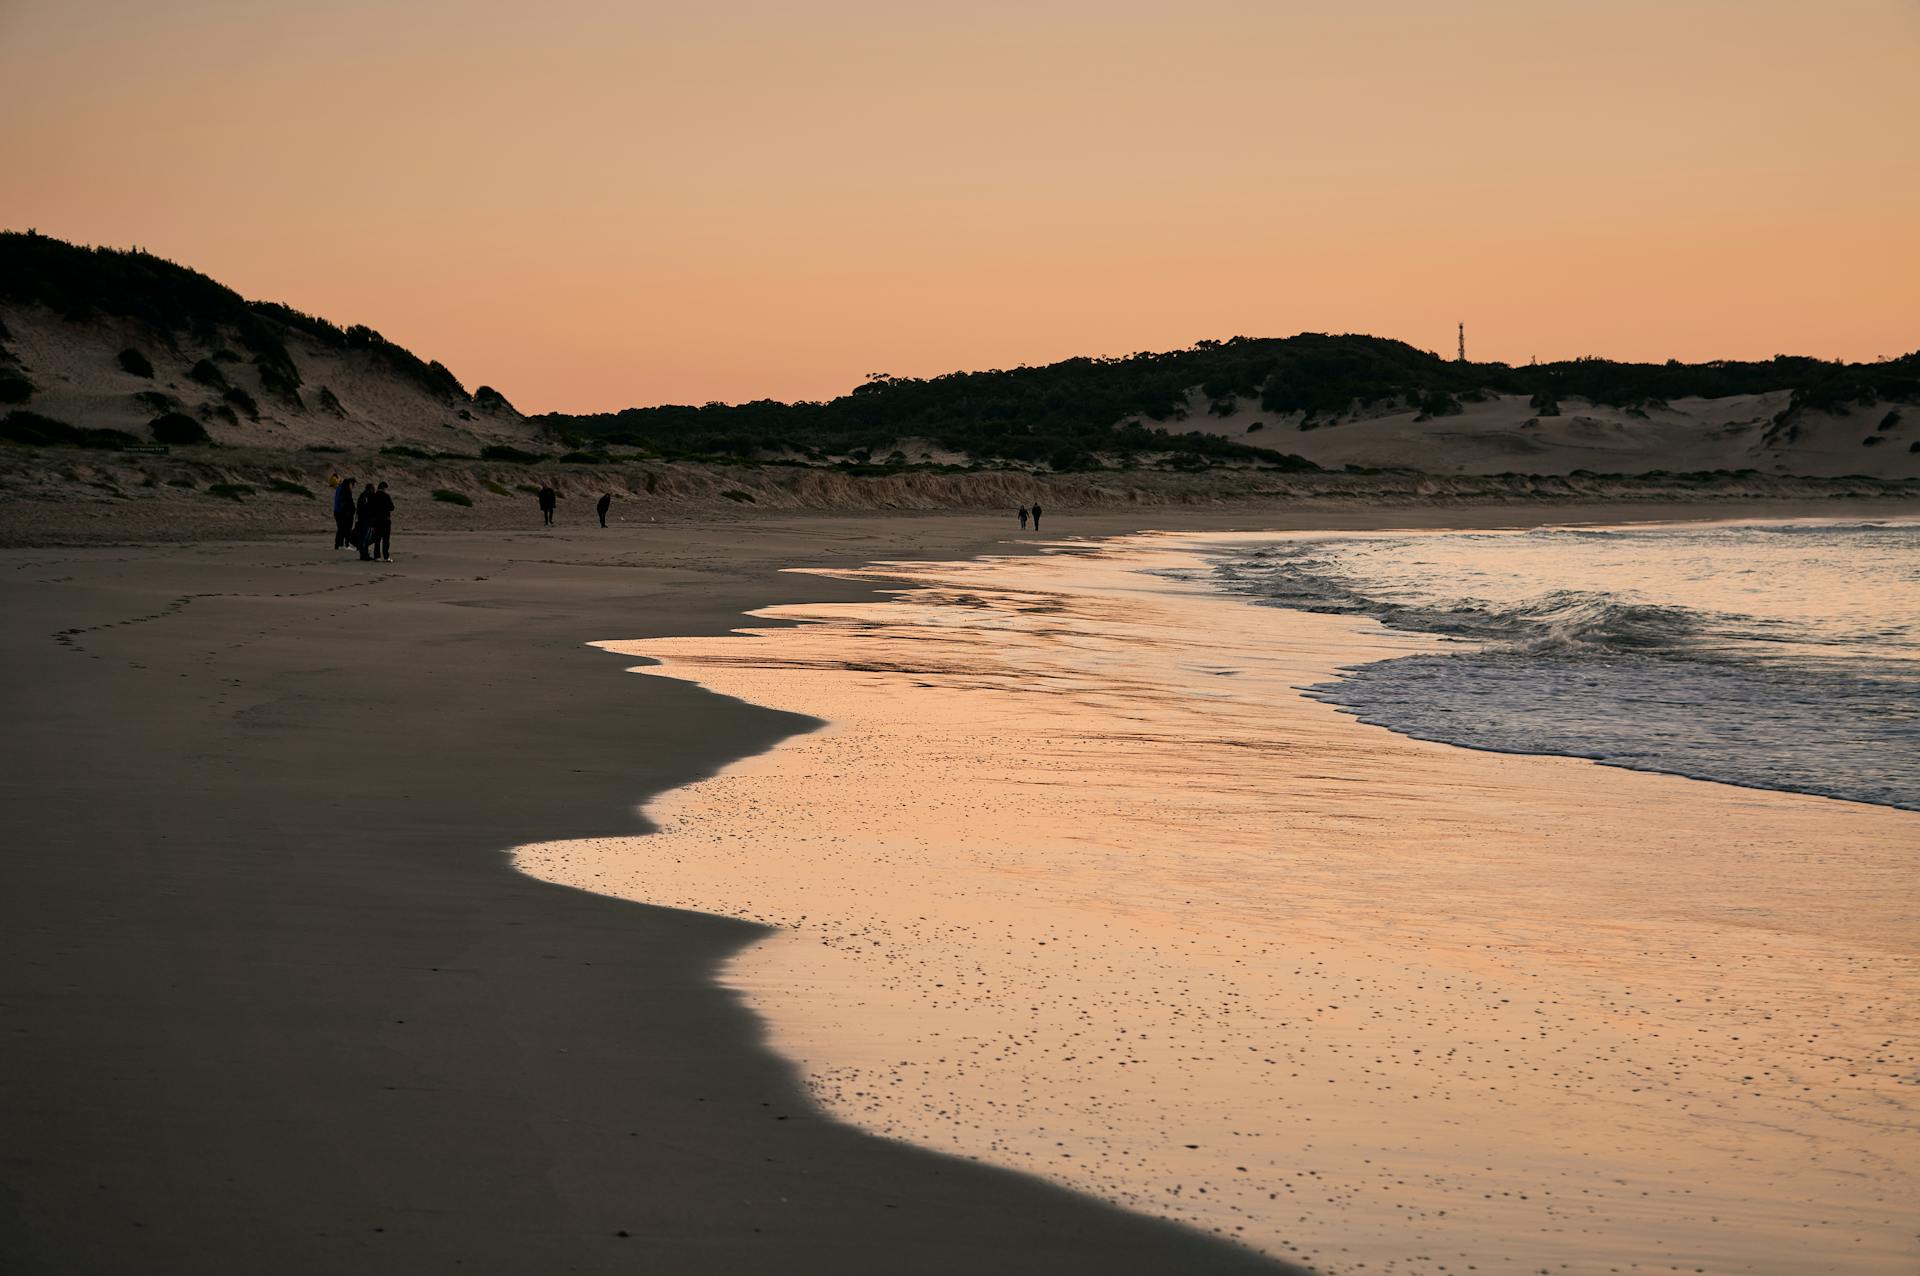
point(1068, 413)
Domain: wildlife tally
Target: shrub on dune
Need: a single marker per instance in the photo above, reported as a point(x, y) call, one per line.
point(502, 452)
point(133, 361)
point(176, 428)
point(452, 497)
point(241, 399)
point(30, 429)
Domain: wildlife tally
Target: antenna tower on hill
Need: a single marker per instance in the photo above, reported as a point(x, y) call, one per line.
point(1463, 343)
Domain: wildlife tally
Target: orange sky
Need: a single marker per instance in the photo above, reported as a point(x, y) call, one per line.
point(597, 203)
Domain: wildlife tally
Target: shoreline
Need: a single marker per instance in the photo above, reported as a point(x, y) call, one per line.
point(915, 719)
point(285, 1002)
point(89, 501)
point(282, 1002)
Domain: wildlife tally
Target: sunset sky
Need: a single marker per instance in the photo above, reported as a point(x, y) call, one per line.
point(597, 203)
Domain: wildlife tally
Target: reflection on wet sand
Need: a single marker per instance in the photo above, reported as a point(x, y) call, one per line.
point(1075, 881)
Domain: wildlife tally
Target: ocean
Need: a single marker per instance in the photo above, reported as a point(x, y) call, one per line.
point(1769, 655)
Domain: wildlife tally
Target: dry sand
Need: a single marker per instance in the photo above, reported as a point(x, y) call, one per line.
point(275, 998)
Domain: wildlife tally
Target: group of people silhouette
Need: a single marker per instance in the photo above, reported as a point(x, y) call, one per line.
point(364, 521)
point(549, 499)
point(363, 518)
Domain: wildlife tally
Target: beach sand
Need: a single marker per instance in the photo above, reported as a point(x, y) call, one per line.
point(275, 997)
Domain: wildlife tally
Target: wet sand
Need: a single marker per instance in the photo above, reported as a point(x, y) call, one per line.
point(274, 998)
point(1076, 881)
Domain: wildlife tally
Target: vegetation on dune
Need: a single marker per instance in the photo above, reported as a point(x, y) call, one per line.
point(243, 401)
point(176, 428)
point(1066, 417)
point(280, 378)
point(1841, 387)
point(501, 452)
point(31, 429)
point(79, 283)
point(429, 374)
point(15, 389)
point(452, 497)
point(208, 374)
point(133, 361)
point(290, 487)
point(229, 491)
point(1079, 413)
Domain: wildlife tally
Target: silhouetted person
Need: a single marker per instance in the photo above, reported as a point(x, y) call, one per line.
point(343, 514)
point(548, 499)
point(360, 523)
point(606, 503)
point(1023, 518)
point(1036, 516)
point(380, 533)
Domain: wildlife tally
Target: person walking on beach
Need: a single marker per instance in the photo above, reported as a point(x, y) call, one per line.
point(1023, 518)
point(360, 524)
point(343, 513)
point(1036, 516)
point(380, 533)
point(606, 503)
point(548, 499)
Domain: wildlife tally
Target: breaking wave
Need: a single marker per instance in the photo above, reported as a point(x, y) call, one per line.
point(1771, 656)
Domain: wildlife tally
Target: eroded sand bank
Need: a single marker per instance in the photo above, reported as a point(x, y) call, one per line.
point(1074, 881)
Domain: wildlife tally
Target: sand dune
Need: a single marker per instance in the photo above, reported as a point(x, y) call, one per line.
point(75, 369)
point(1504, 435)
